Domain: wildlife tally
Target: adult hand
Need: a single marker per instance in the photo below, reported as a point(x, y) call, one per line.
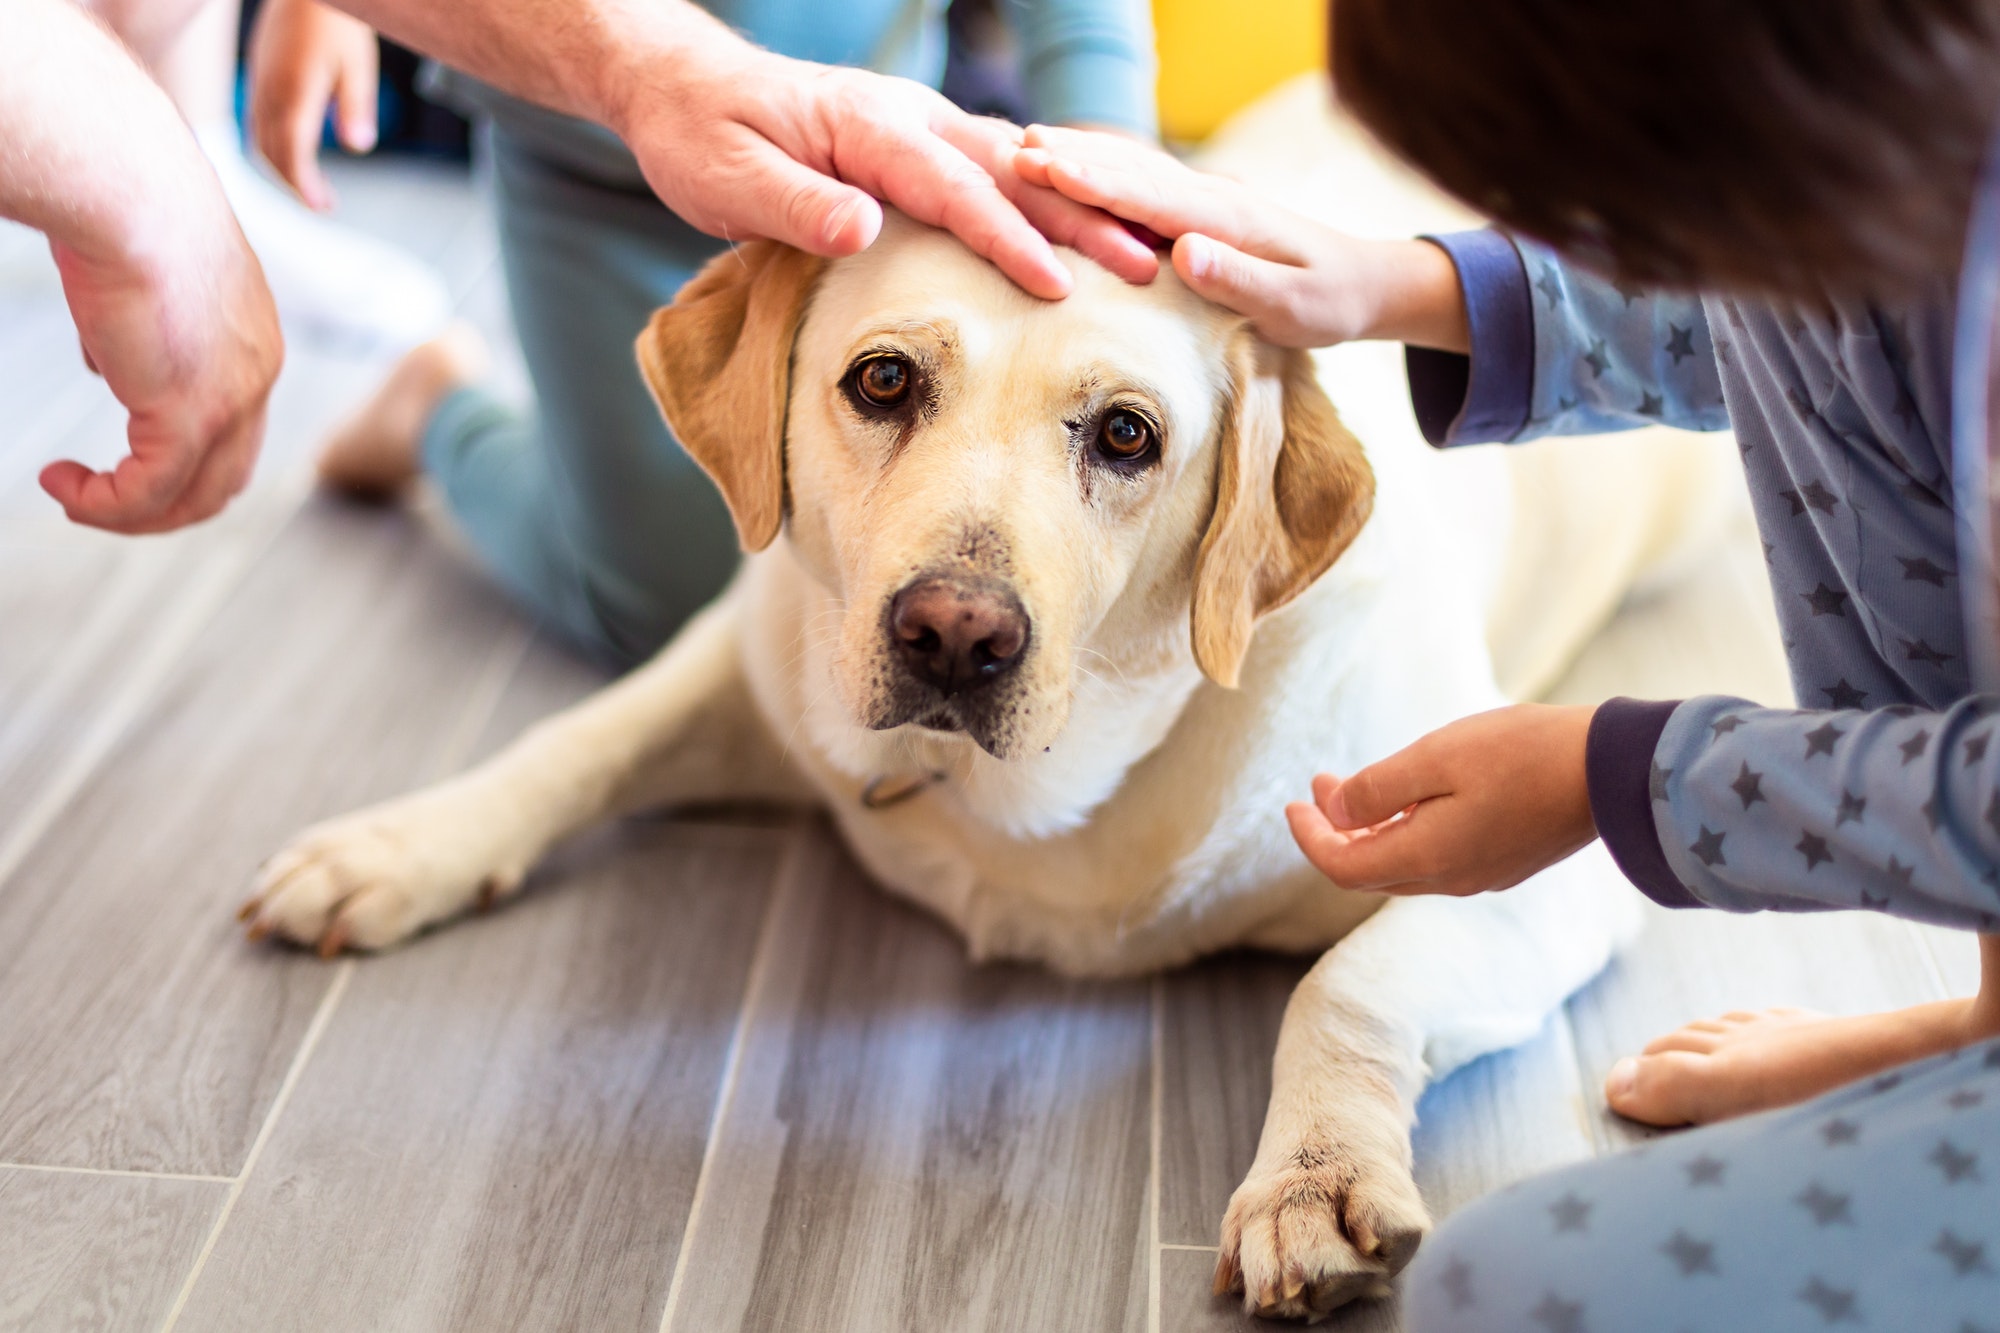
point(1299, 284)
point(1478, 805)
point(187, 339)
point(303, 57)
point(741, 143)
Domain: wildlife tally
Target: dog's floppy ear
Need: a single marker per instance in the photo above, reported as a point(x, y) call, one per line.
point(1293, 488)
point(718, 361)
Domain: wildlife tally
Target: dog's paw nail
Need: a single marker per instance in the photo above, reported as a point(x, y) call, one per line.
point(249, 908)
point(335, 939)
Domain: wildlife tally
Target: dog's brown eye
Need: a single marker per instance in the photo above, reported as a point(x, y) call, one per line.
point(883, 381)
point(1124, 436)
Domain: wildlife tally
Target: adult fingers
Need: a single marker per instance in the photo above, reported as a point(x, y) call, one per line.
point(129, 498)
point(220, 478)
point(926, 175)
point(992, 144)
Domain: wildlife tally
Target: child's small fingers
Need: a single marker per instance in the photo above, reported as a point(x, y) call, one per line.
point(1318, 839)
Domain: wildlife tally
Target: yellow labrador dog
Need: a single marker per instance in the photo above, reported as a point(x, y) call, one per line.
point(1053, 606)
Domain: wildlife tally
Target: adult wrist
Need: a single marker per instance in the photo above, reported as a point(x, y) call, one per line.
point(649, 60)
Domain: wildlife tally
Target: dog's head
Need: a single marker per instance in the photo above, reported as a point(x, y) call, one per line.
point(993, 485)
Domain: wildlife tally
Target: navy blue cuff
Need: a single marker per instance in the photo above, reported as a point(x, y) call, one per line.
point(1619, 768)
point(1485, 397)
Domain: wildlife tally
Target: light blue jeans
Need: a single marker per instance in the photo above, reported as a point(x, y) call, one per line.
point(587, 509)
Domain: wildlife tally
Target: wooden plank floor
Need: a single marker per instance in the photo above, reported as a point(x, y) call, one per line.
point(702, 1077)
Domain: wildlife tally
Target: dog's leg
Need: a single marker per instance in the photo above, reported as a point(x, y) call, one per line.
point(1330, 1211)
point(679, 728)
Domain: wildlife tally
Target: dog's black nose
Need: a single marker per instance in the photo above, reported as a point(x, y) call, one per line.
point(957, 636)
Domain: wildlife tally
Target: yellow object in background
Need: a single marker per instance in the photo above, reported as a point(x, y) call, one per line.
point(1218, 56)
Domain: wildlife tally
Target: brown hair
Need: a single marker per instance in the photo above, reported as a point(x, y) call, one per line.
point(1786, 147)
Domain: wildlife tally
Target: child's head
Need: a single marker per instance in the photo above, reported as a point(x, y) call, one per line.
point(1781, 146)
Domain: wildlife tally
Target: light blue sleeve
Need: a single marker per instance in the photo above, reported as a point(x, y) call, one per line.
point(1613, 358)
point(1087, 62)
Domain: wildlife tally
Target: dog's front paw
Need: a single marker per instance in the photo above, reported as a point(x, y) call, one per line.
point(371, 879)
point(1318, 1228)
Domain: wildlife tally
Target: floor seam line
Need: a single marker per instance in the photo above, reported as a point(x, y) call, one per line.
point(1157, 1097)
point(322, 1018)
point(782, 880)
point(118, 1172)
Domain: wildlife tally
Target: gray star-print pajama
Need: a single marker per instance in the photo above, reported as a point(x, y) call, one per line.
point(1875, 1204)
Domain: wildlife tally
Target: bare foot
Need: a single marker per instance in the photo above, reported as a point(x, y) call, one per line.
point(1745, 1062)
point(374, 454)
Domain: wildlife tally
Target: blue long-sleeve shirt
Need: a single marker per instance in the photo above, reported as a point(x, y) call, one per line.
point(1883, 790)
point(1083, 62)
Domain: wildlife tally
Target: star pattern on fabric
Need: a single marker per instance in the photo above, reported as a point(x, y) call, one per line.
point(1749, 787)
point(1457, 1282)
point(1826, 601)
point(1921, 651)
point(1558, 1315)
point(1956, 1163)
point(1992, 1060)
point(1965, 1099)
point(1874, 902)
point(1691, 1256)
point(1680, 342)
point(1825, 1206)
point(1549, 285)
point(1802, 407)
point(1852, 808)
point(1820, 740)
point(1902, 874)
point(1915, 491)
point(1707, 847)
point(1921, 570)
point(1598, 359)
point(1814, 849)
point(1885, 1083)
point(1651, 405)
point(1722, 726)
point(1934, 809)
point(1844, 696)
point(1571, 1213)
point(1913, 748)
point(1835, 1304)
point(1815, 496)
point(1975, 747)
point(1705, 1170)
point(1656, 781)
point(1839, 1132)
point(1965, 1257)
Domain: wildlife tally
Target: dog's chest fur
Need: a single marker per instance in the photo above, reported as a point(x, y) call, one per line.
point(1153, 831)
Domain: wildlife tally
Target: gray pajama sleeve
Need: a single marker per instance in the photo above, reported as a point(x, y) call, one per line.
point(1751, 808)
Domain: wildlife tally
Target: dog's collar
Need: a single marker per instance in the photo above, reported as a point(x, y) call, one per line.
point(890, 789)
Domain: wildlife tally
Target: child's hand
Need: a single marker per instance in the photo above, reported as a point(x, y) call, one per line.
point(1481, 804)
point(1299, 284)
point(303, 57)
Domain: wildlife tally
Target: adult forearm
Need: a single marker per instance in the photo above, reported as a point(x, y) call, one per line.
point(93, 154)
point(589, 58)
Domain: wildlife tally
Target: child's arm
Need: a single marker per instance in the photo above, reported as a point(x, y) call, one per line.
point(1711, 802)
point(303, 56)
point(1552, 349)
